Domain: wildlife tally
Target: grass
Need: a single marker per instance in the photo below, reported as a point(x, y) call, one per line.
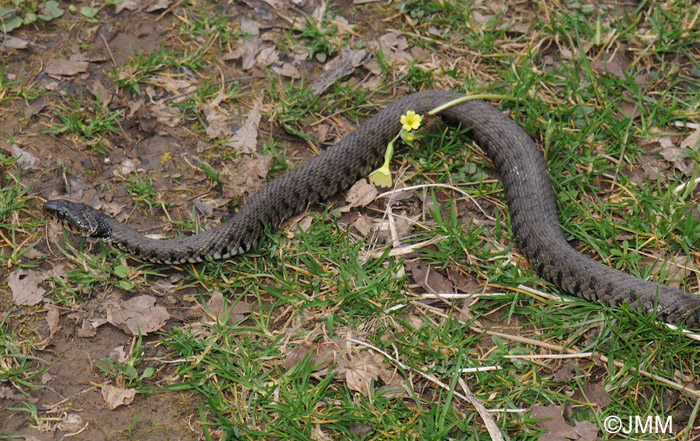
point(257, 370)
point(89, 121)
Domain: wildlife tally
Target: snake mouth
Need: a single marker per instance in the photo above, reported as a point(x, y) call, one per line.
point(62, 222)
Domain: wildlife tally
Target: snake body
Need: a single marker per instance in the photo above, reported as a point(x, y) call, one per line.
point(530, 197)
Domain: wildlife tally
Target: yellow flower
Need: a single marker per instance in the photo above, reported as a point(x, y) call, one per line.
point(411, 120)
point(407, 137)
point(381, 177)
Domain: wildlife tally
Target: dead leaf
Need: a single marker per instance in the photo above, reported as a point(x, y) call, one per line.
point(115, 396)
point(217, 119)
point(393, 45)
point(593, 393)
point(101, 92)
point(267, 56)
point(171, 84)
point(287, 70)
point(118, 354)
point(71, 423)
point(342, 65)
point(158, 5)
point(363, 225)
point(329, 353)
point(87, 329)
point(296, 355)
point(252, 47)
point(245, 139)
point(692, 140)
point(679, 158)
point(245, 177)
point(249, 26)
point(305, 223)
point(362, 369)
point(611, 62)
point(165, 114)
point(565, 372)
point(24, 284)
point(66, 67)
point(24, 158)
point(203, 207)
point(236, 54)
point(360, 194)
point(34, 108)
point(52, 319)
point(461, 282)
point(129, 5)
point(557, 428)
point(139, 315)
point(10, 43)
point(432, 281)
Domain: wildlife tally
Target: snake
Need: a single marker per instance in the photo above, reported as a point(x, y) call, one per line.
point(529, 193)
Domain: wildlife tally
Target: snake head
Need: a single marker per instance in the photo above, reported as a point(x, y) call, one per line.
point(78, 218)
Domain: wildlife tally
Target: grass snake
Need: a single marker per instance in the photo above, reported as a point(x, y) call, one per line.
point(528, 188)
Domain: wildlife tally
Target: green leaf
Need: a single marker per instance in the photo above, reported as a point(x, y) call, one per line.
point(10, 24)
point(30, 17)
point(148, 372)
point(126, 285)
point(122, 271)
point(51, 10)
point(88, 11)
point(130, 372)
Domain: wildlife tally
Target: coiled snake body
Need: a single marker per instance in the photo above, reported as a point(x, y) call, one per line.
point(531, 201)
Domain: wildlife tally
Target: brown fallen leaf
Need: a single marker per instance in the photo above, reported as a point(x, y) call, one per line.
point(220, 308)
point(245, 139)
point(245, 177)
point(432, 281)
point(165, 114)
point(267, 56)
point(360, 194)
point(10, 43)
point(71, 423)
point(565, 372)
point(363, 225)
point(342, 65)
point(593, 393)
point(139, 315)
point(24, 158)
point(52, 319)
point(129, 5)
point(296, 355)
point(115, 396)
point(362, 368)
point(287, 70)
point(24, 284)
point(157, 5)
point(101, 92)
point(217, 120)
point(692, 140)
point(66, 67)
point(87, 329)
point(557, 428)
point(252, 47)
point(612, 63)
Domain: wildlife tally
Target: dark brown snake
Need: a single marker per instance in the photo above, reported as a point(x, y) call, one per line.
point(530, 196)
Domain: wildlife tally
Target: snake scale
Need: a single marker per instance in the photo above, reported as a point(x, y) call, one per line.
point(528, 187)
